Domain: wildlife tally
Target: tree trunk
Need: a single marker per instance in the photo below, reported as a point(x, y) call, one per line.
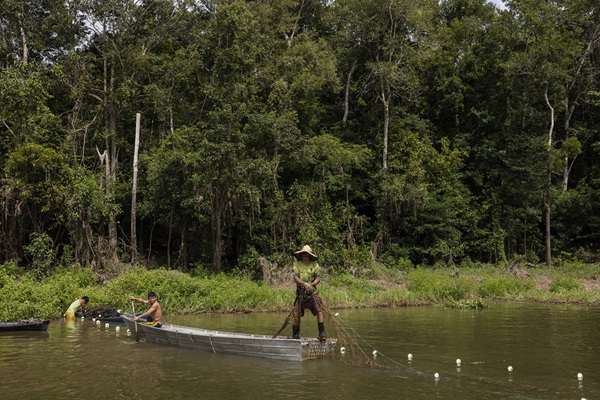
point(111, 144)
point(347, 93)
point(385, 99)
point(568, 113)
point(104, 183)
point(25, 48)
point(296, 23)
point(184, 249)
point(169, 237)
point(548, 207)
point(548, 200)
point(217, 230)
point(133, 239)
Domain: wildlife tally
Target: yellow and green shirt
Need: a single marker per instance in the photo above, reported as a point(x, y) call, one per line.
point(306, 272)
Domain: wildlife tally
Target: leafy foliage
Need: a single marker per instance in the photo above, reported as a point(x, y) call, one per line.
point(383, 133)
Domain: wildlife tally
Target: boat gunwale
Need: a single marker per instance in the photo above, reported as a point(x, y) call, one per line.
point(201, 332)
point(24, 325)
point(187, 330)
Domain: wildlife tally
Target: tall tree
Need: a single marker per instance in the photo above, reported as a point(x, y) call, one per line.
point(554, 55)
point(42, 31)
point(387, 38)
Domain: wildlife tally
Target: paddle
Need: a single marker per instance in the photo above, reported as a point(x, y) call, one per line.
point(137, 339)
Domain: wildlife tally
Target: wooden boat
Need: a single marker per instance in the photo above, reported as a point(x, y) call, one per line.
point(31, 324)
point(279, 348)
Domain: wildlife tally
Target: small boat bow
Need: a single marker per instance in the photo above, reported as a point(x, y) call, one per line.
point(31, 324)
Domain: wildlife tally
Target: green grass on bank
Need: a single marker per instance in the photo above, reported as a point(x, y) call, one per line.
point(24, 295)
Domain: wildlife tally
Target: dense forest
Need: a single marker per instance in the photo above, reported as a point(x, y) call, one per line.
point(213, 133)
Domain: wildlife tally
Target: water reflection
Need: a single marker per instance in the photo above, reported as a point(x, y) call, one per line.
point(70, 324)
point(137, 373)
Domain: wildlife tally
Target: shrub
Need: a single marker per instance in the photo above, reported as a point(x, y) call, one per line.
point(42, 253)
point(502, 285)
point(564, 284)
point(439, 285)
point(467, 304)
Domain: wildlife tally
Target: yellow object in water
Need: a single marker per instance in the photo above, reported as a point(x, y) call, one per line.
point(69, 315)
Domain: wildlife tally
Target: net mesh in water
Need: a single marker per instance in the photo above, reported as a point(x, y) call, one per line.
point(354, 349)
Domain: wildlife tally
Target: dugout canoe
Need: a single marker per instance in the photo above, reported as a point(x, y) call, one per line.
point(32, 324)
point(279, 348)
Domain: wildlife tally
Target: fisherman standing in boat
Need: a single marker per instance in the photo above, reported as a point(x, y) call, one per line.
point(75, 306)
point(154, 314)
point(307, 277)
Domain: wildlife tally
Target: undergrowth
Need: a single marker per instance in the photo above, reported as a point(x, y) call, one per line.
point(26, 295)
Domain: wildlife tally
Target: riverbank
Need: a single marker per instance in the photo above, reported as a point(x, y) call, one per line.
point(25, 296)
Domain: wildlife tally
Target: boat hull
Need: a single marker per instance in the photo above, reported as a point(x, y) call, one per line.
point(116, 320)
point(279, 348)
point(25, 325)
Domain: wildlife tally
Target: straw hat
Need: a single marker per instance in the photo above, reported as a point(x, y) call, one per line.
point(308, 250)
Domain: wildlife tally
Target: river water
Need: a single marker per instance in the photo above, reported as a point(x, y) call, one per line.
point(546, 345)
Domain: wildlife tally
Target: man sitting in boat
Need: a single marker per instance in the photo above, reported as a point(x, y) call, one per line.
point(154, 314)
point(75, 306)
point(307, 277)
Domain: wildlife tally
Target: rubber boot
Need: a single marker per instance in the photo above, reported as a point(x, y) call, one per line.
point(322, 335)
point(295, 332)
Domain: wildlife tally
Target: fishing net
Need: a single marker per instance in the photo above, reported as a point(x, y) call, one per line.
point(295, 314)
point(101, 311)
point(352, 348)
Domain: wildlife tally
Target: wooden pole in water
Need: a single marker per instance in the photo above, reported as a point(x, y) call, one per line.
point(134, 321)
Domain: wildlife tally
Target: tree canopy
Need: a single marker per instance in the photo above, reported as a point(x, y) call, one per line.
point(421, 132)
